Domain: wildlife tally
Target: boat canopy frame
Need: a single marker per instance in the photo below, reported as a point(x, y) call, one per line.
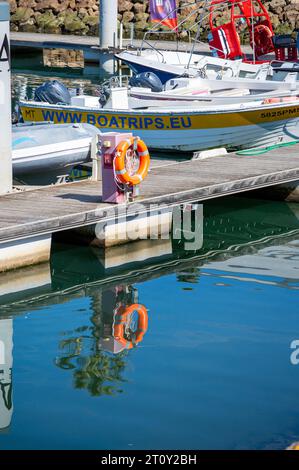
point(208, 8)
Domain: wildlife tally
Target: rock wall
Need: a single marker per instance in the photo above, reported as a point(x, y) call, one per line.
point(82, 16)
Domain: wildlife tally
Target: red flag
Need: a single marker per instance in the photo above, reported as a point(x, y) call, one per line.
point(164, 12)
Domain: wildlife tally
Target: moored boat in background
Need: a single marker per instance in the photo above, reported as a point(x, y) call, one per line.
point(43, 152)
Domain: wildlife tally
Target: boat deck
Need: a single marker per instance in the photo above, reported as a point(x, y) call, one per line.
point(56, 208)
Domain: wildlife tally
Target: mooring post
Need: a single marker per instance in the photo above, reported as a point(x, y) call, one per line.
point(5, 102)
point(108, 23)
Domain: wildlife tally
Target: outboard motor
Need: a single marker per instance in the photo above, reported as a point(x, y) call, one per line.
point(104, 95)
point(147, 80)
point(52, 92)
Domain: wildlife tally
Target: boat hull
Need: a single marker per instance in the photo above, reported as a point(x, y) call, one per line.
point(172, 64)
point(42, 153)
point(162, 74)
point(182, 131)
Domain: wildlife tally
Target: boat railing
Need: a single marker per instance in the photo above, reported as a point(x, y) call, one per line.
point(205, 11)
point(179, 28)
point(151, 46)
point(146, 41)
point(120, 80)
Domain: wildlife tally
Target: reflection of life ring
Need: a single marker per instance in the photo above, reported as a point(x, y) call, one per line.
point(121, 172)
point(294, 446)
point(263, 43)
point(121, 319)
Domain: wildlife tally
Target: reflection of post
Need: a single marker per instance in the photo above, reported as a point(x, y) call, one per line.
point(6, 344)
point(5, 102)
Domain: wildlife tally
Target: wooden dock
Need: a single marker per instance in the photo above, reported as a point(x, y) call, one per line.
point(69, 41)
point(73, 205)
point(90, 44)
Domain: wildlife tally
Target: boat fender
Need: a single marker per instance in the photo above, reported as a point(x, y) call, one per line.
point(52, 92)
point(121, 320)
point(120, 171)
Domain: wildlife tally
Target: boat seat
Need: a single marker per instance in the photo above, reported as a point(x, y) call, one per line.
point(262, 73)
point(232, 92)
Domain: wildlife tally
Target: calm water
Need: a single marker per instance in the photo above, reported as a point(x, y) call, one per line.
point(212, 370)
point(29, 73)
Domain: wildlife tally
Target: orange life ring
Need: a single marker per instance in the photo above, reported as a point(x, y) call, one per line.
point(121, 172)
point(120, 320)
point(262, 37)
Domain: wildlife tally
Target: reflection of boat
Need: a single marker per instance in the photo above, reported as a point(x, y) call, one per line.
point(44, 151)
point(277, 261)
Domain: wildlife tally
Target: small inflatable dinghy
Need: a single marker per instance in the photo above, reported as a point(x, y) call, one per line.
point(43, 152)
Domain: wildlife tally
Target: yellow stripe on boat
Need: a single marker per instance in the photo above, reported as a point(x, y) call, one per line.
point(173, 121)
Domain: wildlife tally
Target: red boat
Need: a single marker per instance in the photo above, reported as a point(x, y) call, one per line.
point(245, 16)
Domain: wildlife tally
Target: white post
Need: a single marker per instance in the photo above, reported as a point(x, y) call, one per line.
point(108, 23)
point(121, 34)
point(131, 34)
point(6, 345)
point(5, 102)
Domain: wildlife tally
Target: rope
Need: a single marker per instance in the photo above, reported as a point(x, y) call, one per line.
point(261, 150)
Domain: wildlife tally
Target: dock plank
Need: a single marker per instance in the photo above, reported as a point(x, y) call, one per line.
point(72, 205)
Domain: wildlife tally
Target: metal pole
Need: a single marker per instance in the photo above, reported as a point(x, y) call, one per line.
point(197, 32)
point(5, 102)
point(252, 33)
point(108, 23)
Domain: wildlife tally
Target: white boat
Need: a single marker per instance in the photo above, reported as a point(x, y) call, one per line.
point(43, 152)
point(186, 90)
point(224, 53)
point(172, 64)
point(196, 127)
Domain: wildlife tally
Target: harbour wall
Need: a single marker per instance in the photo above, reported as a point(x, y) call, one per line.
point(81, 17)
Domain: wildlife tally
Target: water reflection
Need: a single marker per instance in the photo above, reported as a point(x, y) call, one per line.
point(243, 239)
point(6, 346)
point(118, 323)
